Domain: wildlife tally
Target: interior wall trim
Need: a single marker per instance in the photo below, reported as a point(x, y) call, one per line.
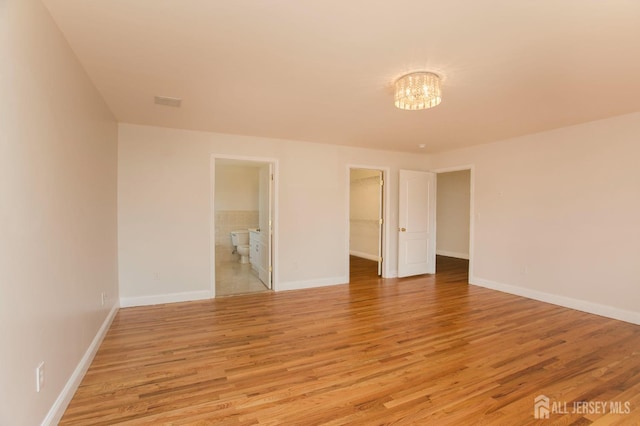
point(472, 209)
point(64, 398)
point(157, 299)
point(387, 179)
point(363, 255)
point(299, 285)
point(567, 302)
point(458, 255)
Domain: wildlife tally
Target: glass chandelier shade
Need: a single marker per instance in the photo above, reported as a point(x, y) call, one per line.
point(418, 90)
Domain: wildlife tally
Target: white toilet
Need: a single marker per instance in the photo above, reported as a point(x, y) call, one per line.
point(240, 239)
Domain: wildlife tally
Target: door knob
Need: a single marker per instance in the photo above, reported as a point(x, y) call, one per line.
point(402, 229)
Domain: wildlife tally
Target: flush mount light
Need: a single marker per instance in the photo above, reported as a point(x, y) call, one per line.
point(418, 90)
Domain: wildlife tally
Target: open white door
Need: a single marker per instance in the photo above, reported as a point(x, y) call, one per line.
point(416, 223)
point(266, 224)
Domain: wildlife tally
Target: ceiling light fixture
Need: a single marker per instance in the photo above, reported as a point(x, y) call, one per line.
point(418, 90)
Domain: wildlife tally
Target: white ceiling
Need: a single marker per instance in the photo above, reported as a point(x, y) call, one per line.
point(322, 70)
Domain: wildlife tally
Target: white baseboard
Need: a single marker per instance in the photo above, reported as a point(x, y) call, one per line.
point(567, 302)
point(299, 285)
point(363, 255)
point(157, 299)
point(455, 254)
point(60, 405)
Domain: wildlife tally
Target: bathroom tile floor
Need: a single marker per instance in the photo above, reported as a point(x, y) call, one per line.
point(233, 277)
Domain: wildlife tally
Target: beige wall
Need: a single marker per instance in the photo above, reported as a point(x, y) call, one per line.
point(164, 208)
point(556, 215)
point(364, 213)
point(452, 216)
point(237, 188)
point(236, 206)
point(57, 212)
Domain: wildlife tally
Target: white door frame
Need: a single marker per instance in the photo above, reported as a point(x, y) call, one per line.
point(275, 280)
point(265, 268)
point(386, 173)
point(472, 214)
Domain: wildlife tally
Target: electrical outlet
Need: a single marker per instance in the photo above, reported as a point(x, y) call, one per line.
point(103, 298)
point(40, 377)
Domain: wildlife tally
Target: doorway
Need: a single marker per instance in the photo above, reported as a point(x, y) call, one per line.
point(366, 220)
point(243, 216)
point(454, 216)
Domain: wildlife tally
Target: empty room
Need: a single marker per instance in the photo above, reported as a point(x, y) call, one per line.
point(319, 212)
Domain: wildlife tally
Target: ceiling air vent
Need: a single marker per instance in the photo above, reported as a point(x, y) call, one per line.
point(168, 101)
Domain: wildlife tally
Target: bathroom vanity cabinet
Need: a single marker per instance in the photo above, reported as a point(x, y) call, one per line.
point(254, 249)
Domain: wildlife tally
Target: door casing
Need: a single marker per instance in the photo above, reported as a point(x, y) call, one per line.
point(385, 269)
point(274, 216)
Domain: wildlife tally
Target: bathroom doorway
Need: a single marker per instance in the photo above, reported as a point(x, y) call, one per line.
point(366, 198)
point(243, 215)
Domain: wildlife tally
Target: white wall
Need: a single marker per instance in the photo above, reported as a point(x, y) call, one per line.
point(164, 208)
point(556, 215)
point(57, 212)
point(452, 216)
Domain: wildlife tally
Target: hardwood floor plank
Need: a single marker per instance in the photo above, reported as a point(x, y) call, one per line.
point(418, 350)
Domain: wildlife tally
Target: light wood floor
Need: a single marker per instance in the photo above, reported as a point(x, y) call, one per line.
point(422, 350)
